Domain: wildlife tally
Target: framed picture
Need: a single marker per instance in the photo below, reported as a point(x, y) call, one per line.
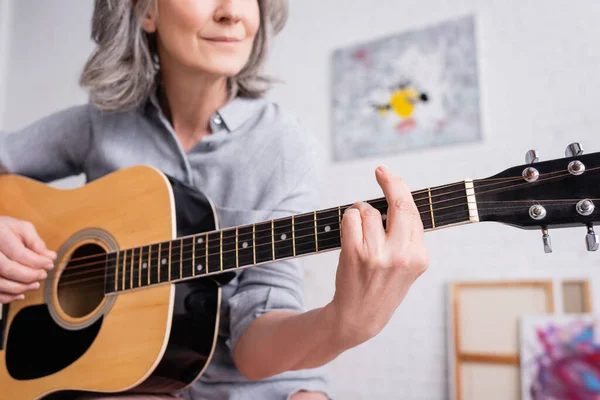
point(560, 357)
point(407, 91)
point(484, 339)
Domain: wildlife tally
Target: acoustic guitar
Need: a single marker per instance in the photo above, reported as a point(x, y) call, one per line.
point(137, 250)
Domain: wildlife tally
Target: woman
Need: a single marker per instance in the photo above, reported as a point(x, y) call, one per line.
point(176, 85)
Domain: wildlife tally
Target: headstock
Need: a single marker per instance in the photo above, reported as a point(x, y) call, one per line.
point(558, 193)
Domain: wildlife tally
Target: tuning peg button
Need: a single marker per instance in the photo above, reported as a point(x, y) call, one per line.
point(592, 241)
point(547, 241)
point(574, 149)
point(532, 156)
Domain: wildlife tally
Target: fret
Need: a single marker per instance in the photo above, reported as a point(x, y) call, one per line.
point(431, 208)
point(122, 270)
point(263, 235)
point(206, 253)
point(135, 270)
point(328, 227)
point(110, 273)
point(245, 245)
point(237, 260)
point(228, 245)
point(145, 276)
point(154, 267)
point(283, 238)
point(254, 242)
point(131, 266)
point(117, 272)
point(340, 223)
point(180, 259)
point(187, 257)
point(273, 238)
point(127, 270)
point(175, 257)
point(304, 237)
point(214, 252)
point(193, 256)
point(221, 250)
point(200, 254)
point(293, 237)
point(164, 262)
point(316, 240)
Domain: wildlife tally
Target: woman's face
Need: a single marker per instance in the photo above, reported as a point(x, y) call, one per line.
point(212, 36)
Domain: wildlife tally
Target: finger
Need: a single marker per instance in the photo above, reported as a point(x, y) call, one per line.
point(6, 298)
point(33, 241)
point(372, 225)
point(16, 288)
point(400, 204)
point(20, 273)
point(16, 251)
point(352, 235)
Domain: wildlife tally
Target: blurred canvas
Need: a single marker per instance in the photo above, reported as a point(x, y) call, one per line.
point(412, 90)
point(560, 357)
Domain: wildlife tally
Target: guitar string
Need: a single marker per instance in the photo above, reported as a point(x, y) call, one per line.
point(96, 280)
point(310, 214)
point(310, 227)
point(426, 207)
point(258, 250)
point(101, 278)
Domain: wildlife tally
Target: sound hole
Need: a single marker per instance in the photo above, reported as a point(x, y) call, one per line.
point(81, 285)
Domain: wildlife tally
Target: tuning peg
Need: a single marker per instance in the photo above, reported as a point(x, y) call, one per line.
point(591, 239)
point(531, 157)
point(574, 149)
point(546, 240)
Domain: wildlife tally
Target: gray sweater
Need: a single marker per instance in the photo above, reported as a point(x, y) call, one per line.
point(258, 164)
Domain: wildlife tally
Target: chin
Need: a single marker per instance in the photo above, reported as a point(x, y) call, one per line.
point(224, 66)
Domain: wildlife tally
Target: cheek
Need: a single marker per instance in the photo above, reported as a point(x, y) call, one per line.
point(253, 19)
point(178, 24)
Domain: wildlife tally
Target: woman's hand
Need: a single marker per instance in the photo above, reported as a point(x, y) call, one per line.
point(24, 259)
point(376, 267)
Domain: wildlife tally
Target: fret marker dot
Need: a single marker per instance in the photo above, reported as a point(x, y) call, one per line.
point(200, 240)
point(144, 265)
point(327, 228)
point(199, 267)
point(283, 237)
point(384, 216)
point(245, 244)
point(163, 261)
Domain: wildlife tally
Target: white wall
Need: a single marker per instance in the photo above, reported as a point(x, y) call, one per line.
point(5, 30)
point(538, 65)
point(47, 49)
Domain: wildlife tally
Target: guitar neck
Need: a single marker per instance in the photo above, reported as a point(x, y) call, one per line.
point(250, 245)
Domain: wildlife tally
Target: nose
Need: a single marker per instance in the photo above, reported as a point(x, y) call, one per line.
point(227, 11)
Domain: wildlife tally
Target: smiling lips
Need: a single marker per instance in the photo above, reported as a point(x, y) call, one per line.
point(223, 39)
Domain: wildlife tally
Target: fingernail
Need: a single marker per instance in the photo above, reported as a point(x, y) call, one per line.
point(384, 169)
point(21, 297)
point(35, 285)
point(50, 266)
point(44, 274)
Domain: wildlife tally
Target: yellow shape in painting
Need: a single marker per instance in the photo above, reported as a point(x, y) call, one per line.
point(403, 102)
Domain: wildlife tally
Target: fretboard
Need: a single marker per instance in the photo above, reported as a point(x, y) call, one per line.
point(244, 246)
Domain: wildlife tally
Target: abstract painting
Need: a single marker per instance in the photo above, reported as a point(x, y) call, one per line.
point(407, 91)
point(560, 357)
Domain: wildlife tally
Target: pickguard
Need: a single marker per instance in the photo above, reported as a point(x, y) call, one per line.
point(38, 347)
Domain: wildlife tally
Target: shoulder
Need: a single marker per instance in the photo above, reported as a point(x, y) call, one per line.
point(294, 143)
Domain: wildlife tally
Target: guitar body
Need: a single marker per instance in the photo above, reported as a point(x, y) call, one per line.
point(76, 339)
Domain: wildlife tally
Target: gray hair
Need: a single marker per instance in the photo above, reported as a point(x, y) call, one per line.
point(122, 71)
